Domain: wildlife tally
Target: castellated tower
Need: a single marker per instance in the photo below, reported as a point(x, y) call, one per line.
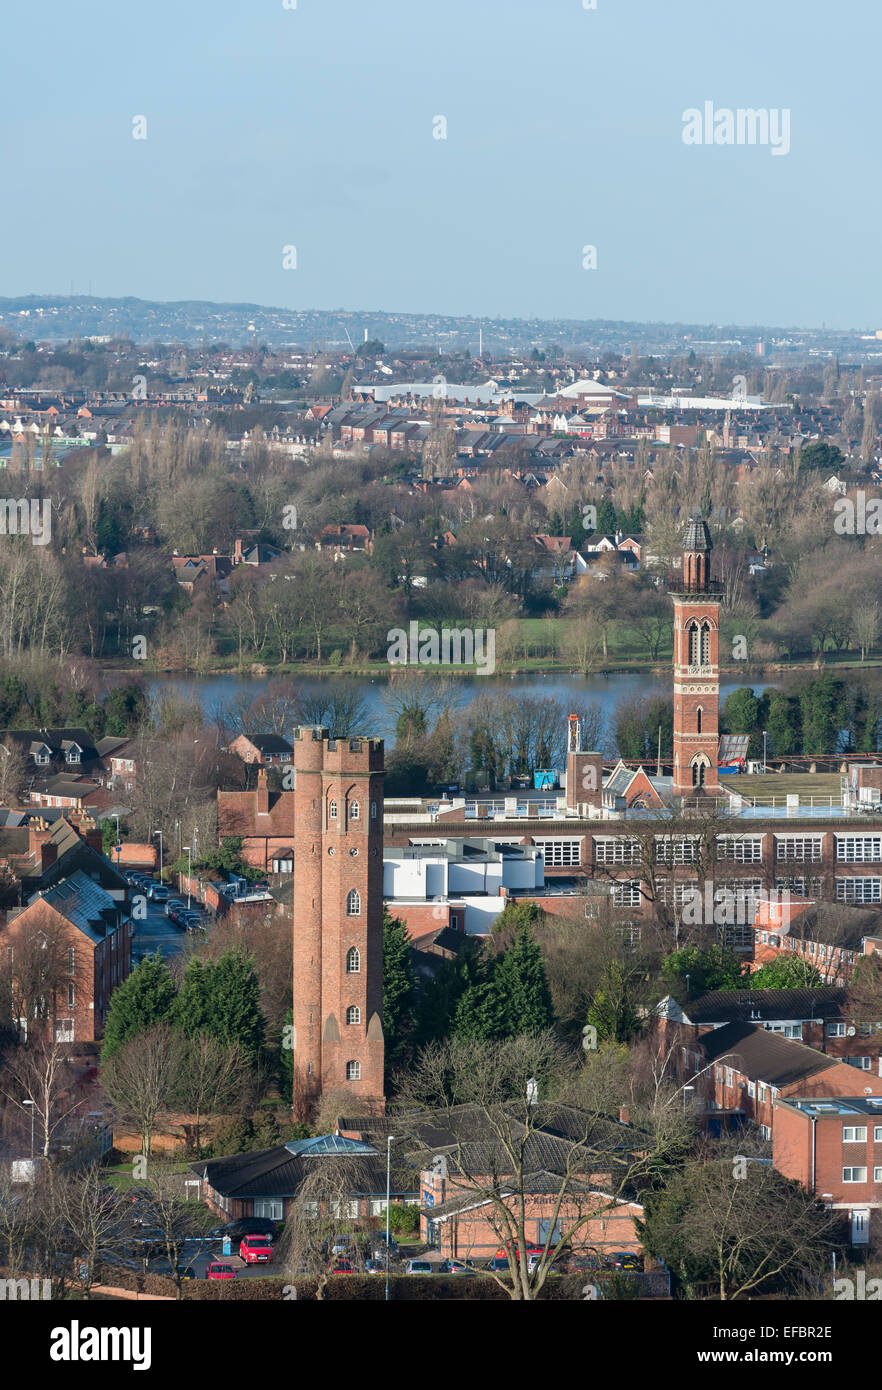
point(696, 666)
point(338, 913)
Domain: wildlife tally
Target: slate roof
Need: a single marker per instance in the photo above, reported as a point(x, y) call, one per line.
point(758, 1005)
point(764, 1056)
point(697, 537)
point(84, 903)
point(278, 1172)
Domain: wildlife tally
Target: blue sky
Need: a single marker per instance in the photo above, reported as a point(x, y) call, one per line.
point(313, 127)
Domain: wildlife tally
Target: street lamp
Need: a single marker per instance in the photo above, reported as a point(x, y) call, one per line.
point(33, 1112)
point(189, 871)
point(765, 736)
point(159, 833)
point(389, 1141)
point(118, 845)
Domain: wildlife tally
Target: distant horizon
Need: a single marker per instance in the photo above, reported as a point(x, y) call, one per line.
point(747, 329)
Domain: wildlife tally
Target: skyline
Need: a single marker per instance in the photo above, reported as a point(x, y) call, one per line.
point(315, 128)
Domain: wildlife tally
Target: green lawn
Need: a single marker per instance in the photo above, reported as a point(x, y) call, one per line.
point(780, 784)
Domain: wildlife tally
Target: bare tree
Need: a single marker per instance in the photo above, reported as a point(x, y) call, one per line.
point(485, 1096)
point(140, 1079)
point(38, 1080)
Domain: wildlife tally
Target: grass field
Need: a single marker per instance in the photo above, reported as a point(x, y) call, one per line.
point(781, 784)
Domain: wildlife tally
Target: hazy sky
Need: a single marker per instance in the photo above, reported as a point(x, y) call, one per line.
point(313, 127)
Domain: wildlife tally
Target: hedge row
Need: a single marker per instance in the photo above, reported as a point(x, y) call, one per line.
point(372, 1288)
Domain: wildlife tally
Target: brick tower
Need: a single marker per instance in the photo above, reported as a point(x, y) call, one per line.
point(338, 913)
point(696, 666)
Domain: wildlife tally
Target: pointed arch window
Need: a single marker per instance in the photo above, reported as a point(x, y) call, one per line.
point(694, 644)
point(354, 811)
point(332, 810)
point(698, 720)
point(705, 644)
point(353, 1071)
point(353, 961)
point(353, 1014)
point(353, 904)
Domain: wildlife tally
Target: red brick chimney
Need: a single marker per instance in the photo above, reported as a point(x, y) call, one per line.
point(237, 552)
point(48, 855)
point(624, 1114)
point(262, 794)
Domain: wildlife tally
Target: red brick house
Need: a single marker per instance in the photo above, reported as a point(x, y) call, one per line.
point(87, 935)
point(265, 822)
point(832, 1144)
point(744, 1068)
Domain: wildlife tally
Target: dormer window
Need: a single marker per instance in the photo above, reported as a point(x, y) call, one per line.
point(73, 754)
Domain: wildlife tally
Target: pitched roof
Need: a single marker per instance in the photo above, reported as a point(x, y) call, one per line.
point(764, 1056)
point(757, 1005)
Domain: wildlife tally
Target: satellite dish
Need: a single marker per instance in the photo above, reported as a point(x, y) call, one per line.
point(852, 1030)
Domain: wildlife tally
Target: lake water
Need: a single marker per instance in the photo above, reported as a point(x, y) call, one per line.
point(605, 691)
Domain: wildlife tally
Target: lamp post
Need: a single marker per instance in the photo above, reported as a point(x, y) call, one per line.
point(189, 871)
point(389, 1140)
point(159, 833)
point(33, 1110)
point(765, 736)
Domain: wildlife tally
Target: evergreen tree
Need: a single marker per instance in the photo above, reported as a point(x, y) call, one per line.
point(234, 1002)
point(481, 1013)
point(399, 986)
point(522, 986)
point(146, 998)
point(786, 972)
point(707, 970)
point(193, 1006)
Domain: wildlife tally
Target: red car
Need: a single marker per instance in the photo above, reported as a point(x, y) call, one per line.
point(256, 1250)
point(343, 1267)
point(219, 1271)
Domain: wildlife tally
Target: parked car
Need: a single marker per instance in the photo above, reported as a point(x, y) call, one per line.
point(158, 892)
point(256, 1249)
point(624, 1259)
point(458, 1267)
point(220, 1271)
point(420, 1267)
point(373, 1266)
point(379, 1246)
point(343, 1267)
point(174, 905)
point(184, 1272)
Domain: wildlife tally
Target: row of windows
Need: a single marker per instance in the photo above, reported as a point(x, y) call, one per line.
point(857, 849)
point(740, 849)
point(806, 849)
point(560, 853)
point(860, 1175)
point(857, 1134)
point(354, 810)
point(859, 890)
point(616, 850)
